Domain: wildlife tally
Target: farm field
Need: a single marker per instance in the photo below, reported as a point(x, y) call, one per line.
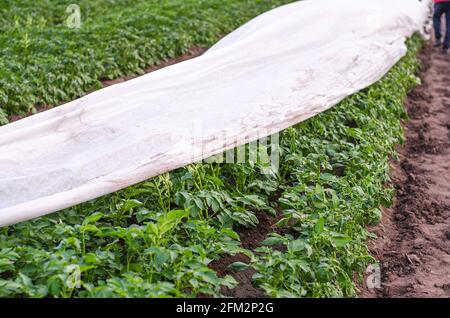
point(343, 199)
point(183, 234)
point(44, 63)
point(413, 239)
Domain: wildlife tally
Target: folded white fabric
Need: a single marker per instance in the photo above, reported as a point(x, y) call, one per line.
point(275, 71)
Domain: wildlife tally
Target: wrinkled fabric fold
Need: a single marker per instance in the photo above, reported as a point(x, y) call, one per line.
point(277, 70)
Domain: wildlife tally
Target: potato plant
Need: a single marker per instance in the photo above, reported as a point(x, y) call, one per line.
point(43, 62)
point(156, 239)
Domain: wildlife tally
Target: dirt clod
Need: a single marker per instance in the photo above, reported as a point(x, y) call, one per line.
point(447, 235)
point(414, 235)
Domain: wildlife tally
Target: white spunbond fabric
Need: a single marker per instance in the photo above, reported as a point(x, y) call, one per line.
point(277, 70)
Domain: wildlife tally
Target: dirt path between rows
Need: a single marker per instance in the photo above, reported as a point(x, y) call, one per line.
point(413, 245)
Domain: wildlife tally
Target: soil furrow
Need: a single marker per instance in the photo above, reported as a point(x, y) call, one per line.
point(413, 245)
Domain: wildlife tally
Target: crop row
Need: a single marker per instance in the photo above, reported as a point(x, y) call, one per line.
point(44, 62)
point(159, 238)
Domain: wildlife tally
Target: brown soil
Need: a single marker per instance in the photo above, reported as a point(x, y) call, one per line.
point(413, 245)
point(191, 53)
point(251, 238)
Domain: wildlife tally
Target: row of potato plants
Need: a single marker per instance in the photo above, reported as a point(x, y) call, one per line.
point(158, 238)
point(44, 62)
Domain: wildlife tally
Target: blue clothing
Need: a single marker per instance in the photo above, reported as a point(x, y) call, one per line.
point(441, 8)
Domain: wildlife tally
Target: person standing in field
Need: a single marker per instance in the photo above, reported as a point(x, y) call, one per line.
point(442, 7)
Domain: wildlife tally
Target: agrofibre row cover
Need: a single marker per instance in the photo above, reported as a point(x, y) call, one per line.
point(277, 70)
